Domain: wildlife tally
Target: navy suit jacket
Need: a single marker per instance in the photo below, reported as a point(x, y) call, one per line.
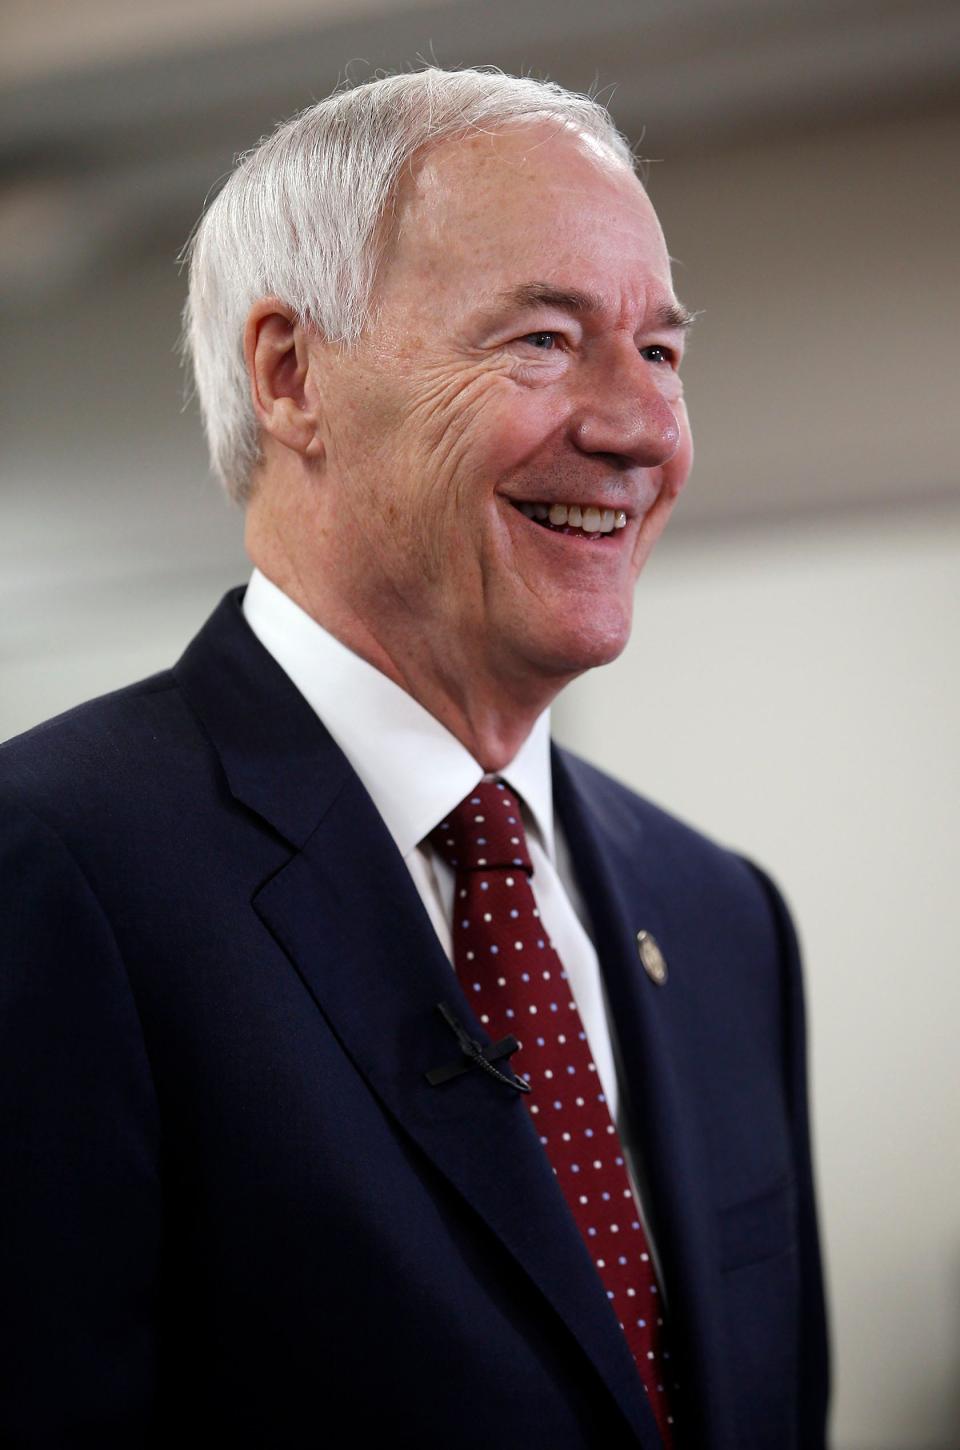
point(233, 1206)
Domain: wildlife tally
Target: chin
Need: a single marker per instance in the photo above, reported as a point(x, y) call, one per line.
point(590, 643)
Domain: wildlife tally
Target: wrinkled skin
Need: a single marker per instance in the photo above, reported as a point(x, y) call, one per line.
point(383, 505)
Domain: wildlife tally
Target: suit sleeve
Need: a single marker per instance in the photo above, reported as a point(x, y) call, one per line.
point(814, 1389)
point(80, 1216)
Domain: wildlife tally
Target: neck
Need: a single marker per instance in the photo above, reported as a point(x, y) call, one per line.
point(490, 716)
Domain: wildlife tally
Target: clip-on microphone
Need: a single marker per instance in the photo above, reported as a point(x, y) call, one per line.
point(476, 1055)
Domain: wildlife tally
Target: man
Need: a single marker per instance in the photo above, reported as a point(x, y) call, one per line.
point(292, 930)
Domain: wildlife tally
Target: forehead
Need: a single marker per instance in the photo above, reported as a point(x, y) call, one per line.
point(481, 213)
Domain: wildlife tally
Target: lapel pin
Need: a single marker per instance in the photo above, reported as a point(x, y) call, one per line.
point(652, 957)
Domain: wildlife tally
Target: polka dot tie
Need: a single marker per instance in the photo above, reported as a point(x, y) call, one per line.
point(509, 969)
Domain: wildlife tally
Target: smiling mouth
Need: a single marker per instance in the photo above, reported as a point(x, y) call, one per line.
point(585, 523)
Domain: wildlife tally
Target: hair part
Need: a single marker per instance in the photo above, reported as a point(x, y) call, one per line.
point(298, 219)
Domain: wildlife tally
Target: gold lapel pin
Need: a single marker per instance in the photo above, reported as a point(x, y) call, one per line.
point(652, 957)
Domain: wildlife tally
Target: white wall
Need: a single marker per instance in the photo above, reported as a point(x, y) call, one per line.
point(795, 693)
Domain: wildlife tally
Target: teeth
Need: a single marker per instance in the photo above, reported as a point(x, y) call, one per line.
point(591, 519)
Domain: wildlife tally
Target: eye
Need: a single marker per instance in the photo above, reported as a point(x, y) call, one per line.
point(542, 341)
point(655, 353)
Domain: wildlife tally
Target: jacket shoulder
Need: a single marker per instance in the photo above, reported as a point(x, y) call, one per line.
point(629, 815)
point(73, 765)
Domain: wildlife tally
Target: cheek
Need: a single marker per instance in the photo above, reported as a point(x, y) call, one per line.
point(521, 430)
point(486, 427)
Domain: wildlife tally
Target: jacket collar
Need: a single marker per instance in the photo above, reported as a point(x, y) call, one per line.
point(276, 756)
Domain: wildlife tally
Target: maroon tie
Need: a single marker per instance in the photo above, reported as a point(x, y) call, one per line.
point(507, 966)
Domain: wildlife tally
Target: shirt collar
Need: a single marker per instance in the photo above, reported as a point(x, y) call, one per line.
point(414, 770)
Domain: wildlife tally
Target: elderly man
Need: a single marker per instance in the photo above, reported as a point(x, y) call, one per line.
point(374, 1072)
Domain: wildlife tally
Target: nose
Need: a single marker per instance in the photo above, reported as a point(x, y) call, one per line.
point(622, 410)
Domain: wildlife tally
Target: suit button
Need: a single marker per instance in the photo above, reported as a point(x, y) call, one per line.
point(652, 957)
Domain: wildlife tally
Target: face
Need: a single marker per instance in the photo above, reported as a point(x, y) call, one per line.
point(523, 357)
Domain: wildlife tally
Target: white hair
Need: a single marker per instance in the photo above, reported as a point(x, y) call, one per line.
point(298, 220)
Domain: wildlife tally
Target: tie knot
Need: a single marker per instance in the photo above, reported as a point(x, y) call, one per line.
point(484, 832)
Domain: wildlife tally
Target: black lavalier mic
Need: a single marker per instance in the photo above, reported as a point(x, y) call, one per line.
point(475, 1055)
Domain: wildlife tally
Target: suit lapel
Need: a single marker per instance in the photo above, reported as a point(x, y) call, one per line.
point(625, 888)
point(346, 913)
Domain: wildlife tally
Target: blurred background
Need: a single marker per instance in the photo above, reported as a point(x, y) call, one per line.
point(791, 687)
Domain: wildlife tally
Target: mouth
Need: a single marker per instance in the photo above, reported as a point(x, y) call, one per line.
point(576, 520)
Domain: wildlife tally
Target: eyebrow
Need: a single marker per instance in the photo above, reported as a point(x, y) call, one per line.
point(671, 315)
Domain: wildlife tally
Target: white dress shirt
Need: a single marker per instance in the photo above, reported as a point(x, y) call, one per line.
point(416, 772)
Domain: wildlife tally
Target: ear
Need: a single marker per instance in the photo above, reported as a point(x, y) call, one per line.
point(277, 353)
